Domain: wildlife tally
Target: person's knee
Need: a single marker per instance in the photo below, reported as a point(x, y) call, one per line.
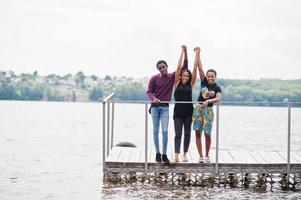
point(178, 135)
point(207, 135)
point(187, 136)
point(156, 131)
point(165, 133)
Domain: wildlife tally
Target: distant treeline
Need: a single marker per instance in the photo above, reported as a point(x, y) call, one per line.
point(233, 90)
point(92, 88)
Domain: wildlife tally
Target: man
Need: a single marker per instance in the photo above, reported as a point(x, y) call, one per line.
point(160, 89)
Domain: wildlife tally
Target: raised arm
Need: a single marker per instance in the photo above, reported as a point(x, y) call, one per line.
point(179, 68)
point(200, 66)
point(195, 64)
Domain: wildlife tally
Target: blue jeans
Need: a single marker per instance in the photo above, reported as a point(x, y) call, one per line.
point(160, 114)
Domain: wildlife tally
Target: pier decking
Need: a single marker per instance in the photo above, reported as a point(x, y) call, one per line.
point(134, 158)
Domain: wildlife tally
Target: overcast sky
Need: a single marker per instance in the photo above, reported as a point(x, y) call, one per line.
point(240, 39)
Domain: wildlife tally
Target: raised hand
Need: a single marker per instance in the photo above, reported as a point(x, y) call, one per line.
point(184, 48)
point(197, 50)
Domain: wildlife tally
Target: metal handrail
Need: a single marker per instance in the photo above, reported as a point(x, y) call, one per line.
point(107, 100)
point(221, 102)
point(110, 100)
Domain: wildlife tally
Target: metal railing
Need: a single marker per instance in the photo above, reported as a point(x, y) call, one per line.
point(108, 126)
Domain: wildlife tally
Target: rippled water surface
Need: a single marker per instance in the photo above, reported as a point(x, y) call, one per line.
point(53, 150)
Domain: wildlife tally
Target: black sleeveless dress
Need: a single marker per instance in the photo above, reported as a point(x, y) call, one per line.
point(183, 93)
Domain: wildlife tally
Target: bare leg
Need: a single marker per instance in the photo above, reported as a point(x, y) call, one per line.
point(198, 142)
point(208, 143)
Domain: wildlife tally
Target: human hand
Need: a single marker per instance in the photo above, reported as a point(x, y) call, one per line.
point(184, 48)
point(156, 101)
point(205, 104)
point(197, 50)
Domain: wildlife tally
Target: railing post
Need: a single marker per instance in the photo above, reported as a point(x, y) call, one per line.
point(112, 124)
point(108, 128)
point(146, 137)
point(217, 139)
point(289, 140)
point(103, 133)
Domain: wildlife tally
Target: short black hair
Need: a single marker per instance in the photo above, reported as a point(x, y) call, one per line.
point(211, 70)
point(161, 61)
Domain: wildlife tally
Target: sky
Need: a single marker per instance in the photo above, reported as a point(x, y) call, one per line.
point(248, 39)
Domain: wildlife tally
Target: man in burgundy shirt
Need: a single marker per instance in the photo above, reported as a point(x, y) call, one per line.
point(160, 89)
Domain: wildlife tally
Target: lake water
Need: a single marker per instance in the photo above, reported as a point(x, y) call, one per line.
point(52, 150)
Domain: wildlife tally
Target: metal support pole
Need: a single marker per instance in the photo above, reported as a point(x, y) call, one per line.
point(289, 140)
point(217, 139)
point(108, 129)
point(146, 137)
point(103, 133)
point(112, 125)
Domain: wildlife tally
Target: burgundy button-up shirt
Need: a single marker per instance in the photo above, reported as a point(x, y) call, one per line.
point(160, 87)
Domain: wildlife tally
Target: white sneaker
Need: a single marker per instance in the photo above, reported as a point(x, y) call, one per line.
point(201, 160)
point(207, 159)
point(185, 158)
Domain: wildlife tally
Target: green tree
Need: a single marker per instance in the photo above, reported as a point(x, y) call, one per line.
point(94, 77)
point(131, 91)
point(108, 78)
point(8, 92)
point(80, 78)
point(31, 93)
point(95, 94)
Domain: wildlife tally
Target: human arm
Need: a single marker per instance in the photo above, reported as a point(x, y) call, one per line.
point(194, 71)
point(151, 90)
point(179, 68)
point(214, 100)
point(200, 65)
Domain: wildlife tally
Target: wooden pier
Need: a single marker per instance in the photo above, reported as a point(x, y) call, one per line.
point(262, 170)
point(128, 157)
point(226, 167)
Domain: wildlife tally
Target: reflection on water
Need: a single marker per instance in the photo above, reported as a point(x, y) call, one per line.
point(164, 191)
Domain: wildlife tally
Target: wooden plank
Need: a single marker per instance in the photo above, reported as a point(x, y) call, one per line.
point(260, 156)
point(136, 154)
point(271, 157)
point(227, 158)
point(266, 157)
point(152, 155)
point(212, 155)
point(220, 157)
point(170, 152)
point(293, 156)
point(194, 154)
point(296, 156)
point(114, 154)
point(259, 159)
point(189, 155)
point(277, 157)
point(242, 157)
point(142, 155)
point(125, 154)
